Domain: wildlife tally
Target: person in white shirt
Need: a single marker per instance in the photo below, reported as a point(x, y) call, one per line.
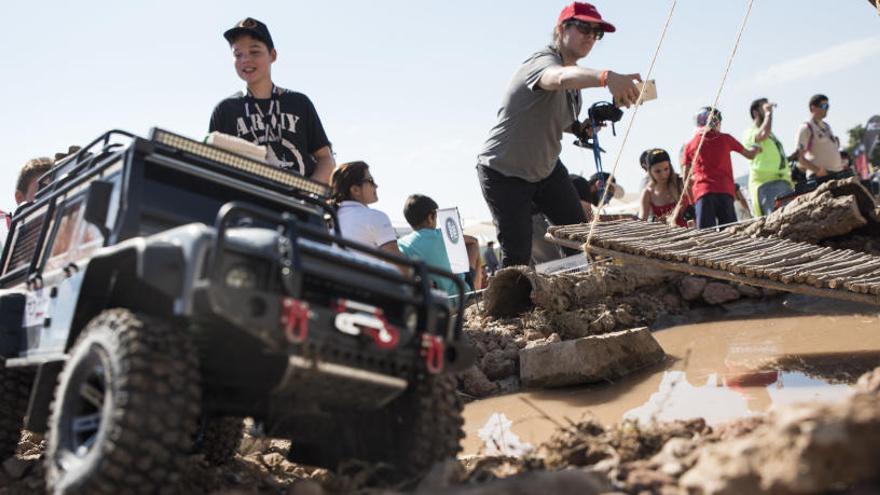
point(353, 189)
point(818, 147)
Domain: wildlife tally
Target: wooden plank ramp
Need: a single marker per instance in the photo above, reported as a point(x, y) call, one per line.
point(763, 262)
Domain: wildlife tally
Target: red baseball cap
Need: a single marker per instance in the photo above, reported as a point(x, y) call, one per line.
point(584, 12)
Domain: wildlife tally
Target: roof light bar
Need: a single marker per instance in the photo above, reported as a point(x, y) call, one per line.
point(274, 174)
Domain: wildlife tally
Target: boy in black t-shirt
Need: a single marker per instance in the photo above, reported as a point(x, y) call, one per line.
point(282, 120)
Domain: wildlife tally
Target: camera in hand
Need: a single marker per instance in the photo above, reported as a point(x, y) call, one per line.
point(598, 115)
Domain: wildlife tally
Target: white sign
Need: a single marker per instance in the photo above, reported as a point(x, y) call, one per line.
point(449, 223)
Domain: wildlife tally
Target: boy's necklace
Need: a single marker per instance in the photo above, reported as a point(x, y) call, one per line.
point(274, 110)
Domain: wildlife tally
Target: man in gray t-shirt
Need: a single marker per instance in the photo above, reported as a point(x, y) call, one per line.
point(519, 165)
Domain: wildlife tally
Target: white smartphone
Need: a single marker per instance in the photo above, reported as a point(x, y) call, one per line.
point(650, 90)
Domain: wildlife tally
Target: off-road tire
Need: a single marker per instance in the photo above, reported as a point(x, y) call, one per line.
point(15, 390)
point(148, 413)
point(413, 432)
point(219, 438)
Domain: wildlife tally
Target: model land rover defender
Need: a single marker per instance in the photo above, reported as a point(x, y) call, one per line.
point(159, 290)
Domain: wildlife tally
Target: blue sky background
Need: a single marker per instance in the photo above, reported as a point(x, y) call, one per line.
point(412, 87)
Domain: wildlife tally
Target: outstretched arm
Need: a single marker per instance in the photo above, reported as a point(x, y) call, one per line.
point(751, 152)
point(621, 86)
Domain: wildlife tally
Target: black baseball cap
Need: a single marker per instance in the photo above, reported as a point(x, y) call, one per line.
point(656, 156)
point(252, 27)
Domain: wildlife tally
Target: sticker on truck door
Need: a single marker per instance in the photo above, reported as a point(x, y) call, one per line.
point(36, 307)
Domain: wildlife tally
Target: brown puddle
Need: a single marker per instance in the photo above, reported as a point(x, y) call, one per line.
point(752, 356)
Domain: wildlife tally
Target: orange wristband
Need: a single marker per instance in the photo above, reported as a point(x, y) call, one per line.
point(603, 78)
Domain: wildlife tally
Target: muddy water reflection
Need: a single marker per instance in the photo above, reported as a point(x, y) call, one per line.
point(718, 370)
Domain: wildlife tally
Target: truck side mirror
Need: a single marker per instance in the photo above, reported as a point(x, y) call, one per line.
point(98, 204)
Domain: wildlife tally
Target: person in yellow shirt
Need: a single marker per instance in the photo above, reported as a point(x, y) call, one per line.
point(769, 176)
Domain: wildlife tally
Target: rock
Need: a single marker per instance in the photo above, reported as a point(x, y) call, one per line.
point(508, 385)
point(749, 291)
point(17, 467)
point(475, 383)
point(640, 480)
point(590, 359)
point(623, 316)
point(305, 487)
point(691, 288)
point(603, 324)
point(671, 301)
point(719, 293)
point(870, 382)
point(442, 475)
point(496, 365)
point(771, 292)
point(274, 459)
point(570, 482)
point(807, 448)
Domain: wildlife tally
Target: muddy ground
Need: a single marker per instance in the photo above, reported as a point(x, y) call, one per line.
point(810, 448)
point(564, 307)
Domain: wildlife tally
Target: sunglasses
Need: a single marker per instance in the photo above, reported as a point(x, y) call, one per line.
point(824, 105)
point(588, 29)
point(370, 180)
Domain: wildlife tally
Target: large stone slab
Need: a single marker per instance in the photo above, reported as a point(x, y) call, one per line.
point(589, 359)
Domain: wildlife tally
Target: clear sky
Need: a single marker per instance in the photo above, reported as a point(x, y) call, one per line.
point(413, 87)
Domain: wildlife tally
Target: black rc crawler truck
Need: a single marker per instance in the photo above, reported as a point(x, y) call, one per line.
point(159, 290)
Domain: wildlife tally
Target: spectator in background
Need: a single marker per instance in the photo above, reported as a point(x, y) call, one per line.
point(845, 161)
point(352, 190)
point(769, 176)
point(425, 242)
point(663, 191)
point(818, 153)
point(590, 191)
point(27, 185)
point(643, 162)
point(490, 258)
point(711, 180)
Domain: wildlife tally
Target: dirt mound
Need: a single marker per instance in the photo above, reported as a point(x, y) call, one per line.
point(839, 213)
point(523, 308)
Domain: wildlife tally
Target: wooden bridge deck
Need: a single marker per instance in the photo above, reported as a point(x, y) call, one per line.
point(764, 262)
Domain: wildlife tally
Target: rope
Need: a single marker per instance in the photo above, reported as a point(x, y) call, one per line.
point(676, 212)
point(631, 121)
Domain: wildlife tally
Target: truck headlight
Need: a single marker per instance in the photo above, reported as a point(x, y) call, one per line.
point(241, 277)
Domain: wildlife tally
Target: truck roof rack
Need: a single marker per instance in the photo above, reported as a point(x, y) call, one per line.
point(278, 176)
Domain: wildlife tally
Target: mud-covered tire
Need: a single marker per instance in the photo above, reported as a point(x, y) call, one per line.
point(436, 427)
point(413, 432)
point(218, 439)
point(15, 389)
point(126, 408)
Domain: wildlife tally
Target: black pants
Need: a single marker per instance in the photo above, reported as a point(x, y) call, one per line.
point(510, 201)
point(715, 209)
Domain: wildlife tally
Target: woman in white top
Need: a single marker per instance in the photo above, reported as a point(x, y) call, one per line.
point(353, 188)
